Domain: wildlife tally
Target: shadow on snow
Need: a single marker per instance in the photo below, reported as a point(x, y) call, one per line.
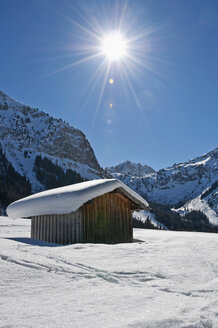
point(35, 242)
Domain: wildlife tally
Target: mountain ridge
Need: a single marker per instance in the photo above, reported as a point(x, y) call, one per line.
point(179, 183)
point(27, 132)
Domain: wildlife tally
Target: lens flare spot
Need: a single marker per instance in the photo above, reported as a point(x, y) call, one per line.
point(111, 81)
point(109, 104)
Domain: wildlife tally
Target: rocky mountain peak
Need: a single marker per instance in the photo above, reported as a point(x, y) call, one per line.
point(132, 169)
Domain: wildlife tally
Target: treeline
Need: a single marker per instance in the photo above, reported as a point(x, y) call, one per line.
point(147, 224)
point(193, 221)
point(52, 175)
point(13, 186)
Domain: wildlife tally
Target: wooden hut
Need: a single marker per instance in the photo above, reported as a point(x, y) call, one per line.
point(97, 211)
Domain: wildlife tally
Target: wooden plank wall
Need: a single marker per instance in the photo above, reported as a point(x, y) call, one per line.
point(60, 228)
point(107, 219)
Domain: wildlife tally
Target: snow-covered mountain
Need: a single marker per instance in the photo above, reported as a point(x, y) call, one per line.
point(180, 183)
point(27, 132)
point(131, 169)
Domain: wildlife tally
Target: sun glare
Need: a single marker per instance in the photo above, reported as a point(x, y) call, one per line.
point(114, 47)
point(121, 51)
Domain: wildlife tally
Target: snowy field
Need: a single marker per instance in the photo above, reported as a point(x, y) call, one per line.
point(163, 280)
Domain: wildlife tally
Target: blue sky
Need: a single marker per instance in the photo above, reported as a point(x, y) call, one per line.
point(164, 99)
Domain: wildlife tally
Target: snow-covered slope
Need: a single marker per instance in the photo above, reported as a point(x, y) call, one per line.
point(206, 202)
point(143, 215)
point(178, 183)
point(164, 279)
point(26, 132)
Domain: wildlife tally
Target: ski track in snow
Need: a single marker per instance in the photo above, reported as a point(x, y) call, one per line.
point(164, 279)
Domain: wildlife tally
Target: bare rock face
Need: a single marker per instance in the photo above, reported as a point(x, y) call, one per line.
point(26, 132)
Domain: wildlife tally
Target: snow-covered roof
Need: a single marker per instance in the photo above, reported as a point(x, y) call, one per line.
point(70, 198)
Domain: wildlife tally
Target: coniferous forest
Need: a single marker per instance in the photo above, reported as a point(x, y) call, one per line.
point(193, 221)
point(13, 186)
point(52, 175)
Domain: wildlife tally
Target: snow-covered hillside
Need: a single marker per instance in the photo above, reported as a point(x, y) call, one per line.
point(26, 132)
point(178, 183)
point(207, 203)
point(164, 279)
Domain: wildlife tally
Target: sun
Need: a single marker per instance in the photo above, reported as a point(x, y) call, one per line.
point(116, 50)
point(114, 46)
